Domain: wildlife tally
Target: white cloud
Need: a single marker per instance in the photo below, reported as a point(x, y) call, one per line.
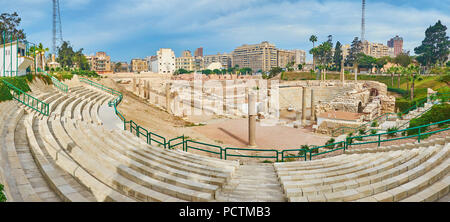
point(223, 25)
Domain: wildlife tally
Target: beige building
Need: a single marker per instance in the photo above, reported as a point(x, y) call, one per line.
point(284, 57)
point(100, 62)
point(186, 61)
point(223, 59)
point(139, 65)
point(376, 50)
point(261, 56)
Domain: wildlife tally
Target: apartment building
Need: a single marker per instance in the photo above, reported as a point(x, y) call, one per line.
point(199, 52)
point(100, 62)
point(284, 57)
point(139, 65)
point(396, 44)
point(224, 59)
point(376, 50)
point(300, 56)
point(186, 61)
point(163, 62)
point(261, 56)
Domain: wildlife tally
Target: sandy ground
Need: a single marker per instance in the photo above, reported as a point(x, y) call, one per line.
point(235, 133)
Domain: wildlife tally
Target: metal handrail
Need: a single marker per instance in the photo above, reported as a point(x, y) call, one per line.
point(34, 104)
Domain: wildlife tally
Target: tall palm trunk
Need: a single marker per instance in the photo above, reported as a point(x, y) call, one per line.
point(392, 80)
point(407, 82)
point(412, 90)
point(398, 80)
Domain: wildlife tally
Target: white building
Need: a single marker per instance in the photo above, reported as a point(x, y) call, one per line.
point(163, 62)
point(13, 59)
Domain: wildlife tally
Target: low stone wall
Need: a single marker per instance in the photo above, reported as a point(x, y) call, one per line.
point(327, 126)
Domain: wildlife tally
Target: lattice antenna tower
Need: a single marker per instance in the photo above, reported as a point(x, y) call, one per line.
point(363, 21)
point(57, 28)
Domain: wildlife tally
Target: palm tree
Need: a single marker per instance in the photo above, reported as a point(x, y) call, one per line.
point(41, 51)
point(313, 39)
point(415, 71)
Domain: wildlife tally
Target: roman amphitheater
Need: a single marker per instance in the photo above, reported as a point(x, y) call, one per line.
point(148, 137)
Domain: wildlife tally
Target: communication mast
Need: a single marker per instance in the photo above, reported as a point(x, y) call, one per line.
point(57, 30)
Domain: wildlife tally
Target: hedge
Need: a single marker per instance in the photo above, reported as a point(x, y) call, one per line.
point(437, 113)
point(2, 195)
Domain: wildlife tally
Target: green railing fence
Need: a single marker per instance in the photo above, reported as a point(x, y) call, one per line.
point(350, 141)
point(224, 153)
point(28, 100)
point(61, 86)
point(205, 147)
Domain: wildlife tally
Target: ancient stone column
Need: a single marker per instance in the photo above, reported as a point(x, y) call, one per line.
point(134, 84)
point(342, 72)
point(139, 88)
point(313, 108)
point(304, 106)
point(251, 119)
point(356, 71)
point(168, 85)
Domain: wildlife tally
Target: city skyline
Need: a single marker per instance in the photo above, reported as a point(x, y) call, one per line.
point(139, 28)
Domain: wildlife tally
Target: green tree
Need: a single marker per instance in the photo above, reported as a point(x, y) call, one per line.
point(274, 71)
point(313, 39)
point(393, 70)
point(366, 61)
point(290, 65)
point(300, 66)
point(415, 71)
point(322, 54)
point(337, 58)
point(355, 49)
point(9, 23)
point(403, 60)
point(435, 47)
point(117, 66)
point(381, 62)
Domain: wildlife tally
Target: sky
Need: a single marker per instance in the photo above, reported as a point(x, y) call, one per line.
point(127, 29)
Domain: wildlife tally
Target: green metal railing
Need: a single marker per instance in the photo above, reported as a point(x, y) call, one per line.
point(61, 86)
point(227, 154)
point(171, 144)
point(28, 100)
point(190, 144)
point(421, 132)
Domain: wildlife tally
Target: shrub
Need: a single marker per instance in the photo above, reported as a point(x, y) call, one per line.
point(361, 132)
point(374, 123)
point(391, 131)
point(301, 152)
point(437, 113)
point(330, 141)
point(2, 195)
point(373, 132)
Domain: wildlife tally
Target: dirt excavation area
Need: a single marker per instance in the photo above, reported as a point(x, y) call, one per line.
point(224, 132)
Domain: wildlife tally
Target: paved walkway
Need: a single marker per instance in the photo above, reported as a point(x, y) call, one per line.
point(252, 183)
point(109, 118)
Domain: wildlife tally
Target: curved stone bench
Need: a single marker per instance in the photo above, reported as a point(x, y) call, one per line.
point(55, 176)
point(110, 163)
point(101, 191)
point(160, 165)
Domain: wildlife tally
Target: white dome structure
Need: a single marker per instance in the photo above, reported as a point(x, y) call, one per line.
point(214, 65)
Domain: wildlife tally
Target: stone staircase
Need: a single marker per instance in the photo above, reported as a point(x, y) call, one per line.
point(252, 183)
